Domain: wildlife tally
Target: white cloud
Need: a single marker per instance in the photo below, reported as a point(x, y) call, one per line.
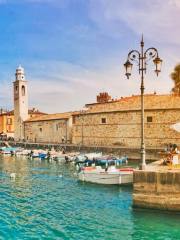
point(67, 87)
point(157, 19)
point(55, 86)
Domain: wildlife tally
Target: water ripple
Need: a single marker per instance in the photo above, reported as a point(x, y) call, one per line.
point(38, 204)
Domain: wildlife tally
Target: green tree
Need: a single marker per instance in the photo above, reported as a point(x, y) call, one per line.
point(175, 77)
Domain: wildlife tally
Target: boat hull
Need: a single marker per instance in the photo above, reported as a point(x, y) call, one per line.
point(106, 177)
point(111, 160)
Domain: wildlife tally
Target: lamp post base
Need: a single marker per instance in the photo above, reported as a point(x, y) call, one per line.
point(142, 166)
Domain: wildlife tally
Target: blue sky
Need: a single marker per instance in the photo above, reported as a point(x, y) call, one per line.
point(72, 50)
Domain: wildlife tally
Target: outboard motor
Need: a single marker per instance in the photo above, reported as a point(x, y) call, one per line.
point(31, 153)
point(86, 159)
point(48, 155)
point(66, 158)
point(106, 169)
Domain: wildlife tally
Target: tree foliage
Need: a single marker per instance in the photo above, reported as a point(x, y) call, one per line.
point(175, 77)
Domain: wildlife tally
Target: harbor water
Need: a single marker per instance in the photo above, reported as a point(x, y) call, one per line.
point(45, 200)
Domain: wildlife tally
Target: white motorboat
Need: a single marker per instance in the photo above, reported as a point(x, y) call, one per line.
point(83, 157)
point(10, 150)
point(23, 152)
point(106, 176)
point(35, 153)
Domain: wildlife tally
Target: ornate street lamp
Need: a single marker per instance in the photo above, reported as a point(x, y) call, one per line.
point(142, 62)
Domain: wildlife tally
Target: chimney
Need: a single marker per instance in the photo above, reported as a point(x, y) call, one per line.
point(33, 109)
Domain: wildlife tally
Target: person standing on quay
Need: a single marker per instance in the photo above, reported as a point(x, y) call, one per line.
point(63, 139)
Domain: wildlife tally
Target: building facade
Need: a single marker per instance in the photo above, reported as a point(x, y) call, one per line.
point(112, 123)
point(119, 122)
point(49, 128)
point(7, 121)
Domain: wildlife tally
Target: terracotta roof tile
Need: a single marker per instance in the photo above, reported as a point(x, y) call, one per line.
point(151, 101)
point(32, 118)
point(51, 116)
point(30, 111)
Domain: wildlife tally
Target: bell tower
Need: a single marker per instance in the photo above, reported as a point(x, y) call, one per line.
point(20, 103)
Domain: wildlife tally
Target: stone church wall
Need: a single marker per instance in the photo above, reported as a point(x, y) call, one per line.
point(48, 131)
point(124, 128)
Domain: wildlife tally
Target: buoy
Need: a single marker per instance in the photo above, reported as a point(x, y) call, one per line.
point(117, 163)
point(13, 175)
point(106, 165)
point(77, 167)
point(126, 161)
point(60, 175)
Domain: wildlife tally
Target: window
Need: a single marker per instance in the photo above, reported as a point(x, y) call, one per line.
point(40, 129)
point(16, 89)
point(56, 127)
point(149, 119)
point(103, 120)
point(74, 120)
point(9, 121)
point(23, 90)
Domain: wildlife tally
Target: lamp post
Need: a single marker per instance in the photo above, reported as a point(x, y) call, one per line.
point(142, 62)
point(20, 120)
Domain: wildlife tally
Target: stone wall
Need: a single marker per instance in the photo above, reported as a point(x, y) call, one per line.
point(157, 190)
point(48, 131)
point(123, 128)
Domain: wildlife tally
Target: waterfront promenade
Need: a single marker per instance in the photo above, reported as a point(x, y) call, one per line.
point(157, 187)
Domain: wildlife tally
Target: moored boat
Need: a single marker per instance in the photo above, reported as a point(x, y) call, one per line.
point(65, 156)
point(87, 157)
point(23, 152)
point(106, 176)
point(10, 150)
point(111, 160)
